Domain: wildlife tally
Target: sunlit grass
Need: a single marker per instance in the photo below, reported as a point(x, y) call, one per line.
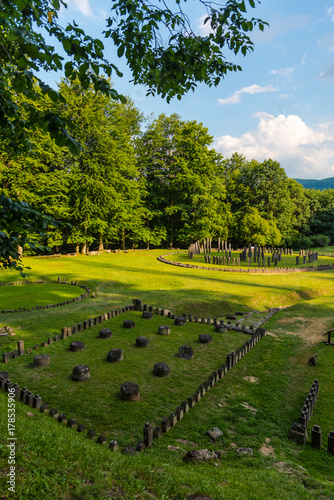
point(254, 404)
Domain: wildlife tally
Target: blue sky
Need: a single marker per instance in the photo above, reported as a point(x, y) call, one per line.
point(280, 106)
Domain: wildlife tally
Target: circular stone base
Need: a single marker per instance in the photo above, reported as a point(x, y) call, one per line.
point(180, 320)
point(161, 369)
point(80, 373)
point(41, 360)
point(204, 338)
point(127, 323)
point(186, 352)
point(147, 315)
point(76, 346)
point(142, 342)
point(164, 330)
point(129, 392)
point(105, 333)
point(221, 328)
point(115, 355)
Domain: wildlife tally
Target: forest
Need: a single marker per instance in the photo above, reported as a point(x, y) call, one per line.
point(143, 182)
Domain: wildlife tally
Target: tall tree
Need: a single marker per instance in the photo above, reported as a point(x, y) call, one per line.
point(94, 190)
point(26, 24)
point(184, 192)
point(104, 178)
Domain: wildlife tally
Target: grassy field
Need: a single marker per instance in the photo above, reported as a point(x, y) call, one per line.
point(254, 404)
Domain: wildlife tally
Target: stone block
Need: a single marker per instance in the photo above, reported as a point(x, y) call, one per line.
point(173, 419)
point(142, 342)
point(186, 352)
point(129, 391)
point(165, 424)
point(41, 360)
point(127, 323)
point(161, 369)
point(157, 432)
point(115, 355)
point(330, 443)
point(148, 434)
point(62, 418)
point(80, 373)
point(77, 346)
point(101, 440)
point(316, 435)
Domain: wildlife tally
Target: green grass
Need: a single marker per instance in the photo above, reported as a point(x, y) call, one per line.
point(321, 250)
point(41, 294)
point(57, 462)
point(159, 396)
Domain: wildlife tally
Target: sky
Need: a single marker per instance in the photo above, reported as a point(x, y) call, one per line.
point(280, 106)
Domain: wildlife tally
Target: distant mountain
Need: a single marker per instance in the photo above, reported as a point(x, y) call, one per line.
point(317, 184)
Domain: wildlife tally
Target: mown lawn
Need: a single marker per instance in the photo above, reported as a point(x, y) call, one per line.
point(254, 404)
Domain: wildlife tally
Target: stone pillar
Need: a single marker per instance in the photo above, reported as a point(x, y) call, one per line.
point(179, 413)
point(36, 401)
point(330, 444)
point(23, 392)
point(316, 437)
point(113, 445)
point(17, 391)
point(191, 402)
point(157, 432)
point(165, 424)
point(5, 357)
point(20, 347)
point(148, 434)
point(185, 406)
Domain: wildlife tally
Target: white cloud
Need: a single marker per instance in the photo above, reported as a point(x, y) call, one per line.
point(330, 13)
point(252, 89)
point(285, 72)
point(303, 151)
point(81, 6)
point(84, 8)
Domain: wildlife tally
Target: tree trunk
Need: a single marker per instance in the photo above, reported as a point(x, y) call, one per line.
point(77, 248)
point(123, 239)
point(101, 242)
point(20, 251)
point(84, 248)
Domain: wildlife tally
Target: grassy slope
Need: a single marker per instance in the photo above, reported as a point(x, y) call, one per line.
point(53, 458)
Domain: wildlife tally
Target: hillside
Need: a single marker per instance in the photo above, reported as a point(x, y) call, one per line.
point(253, 404)
point(319, 184)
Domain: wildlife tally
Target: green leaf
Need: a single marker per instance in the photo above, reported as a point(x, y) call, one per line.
point(53, 95)
point(120, 50)
point(61, 140)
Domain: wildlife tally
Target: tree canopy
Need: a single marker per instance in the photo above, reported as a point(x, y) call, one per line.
point(168, 65)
